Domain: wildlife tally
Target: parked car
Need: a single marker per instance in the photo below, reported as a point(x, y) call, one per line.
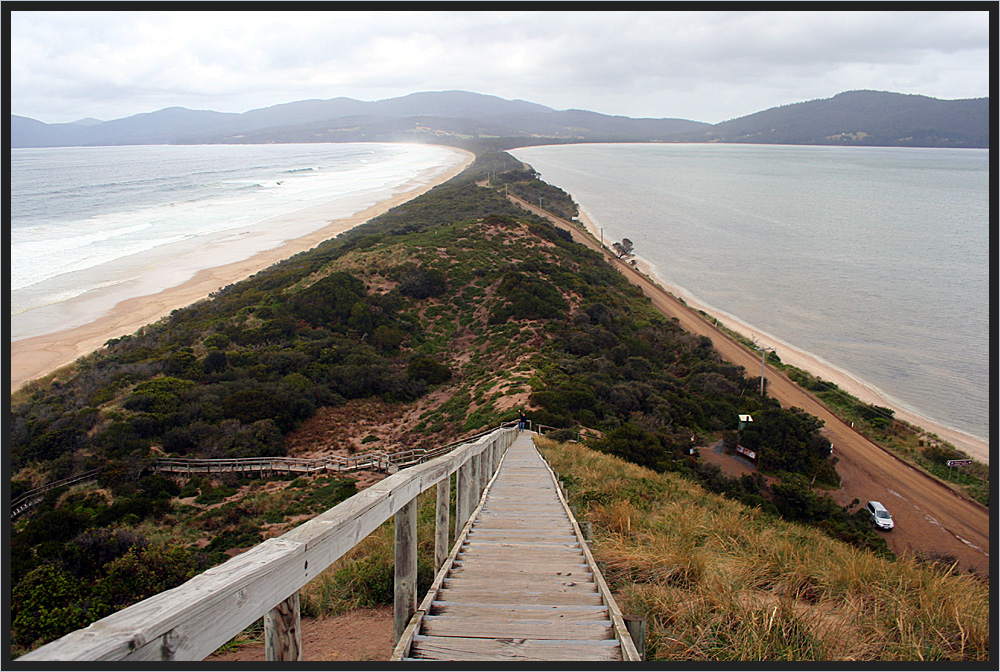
point(880, 516)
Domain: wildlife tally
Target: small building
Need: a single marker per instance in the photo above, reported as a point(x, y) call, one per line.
point(744, 419)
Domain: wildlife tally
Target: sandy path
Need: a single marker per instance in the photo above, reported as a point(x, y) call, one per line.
point(33, 358)
point(930, 517)
point(359, 635)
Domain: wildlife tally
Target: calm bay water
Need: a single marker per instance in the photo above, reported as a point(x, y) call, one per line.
point(876, 260)
point(91, 226)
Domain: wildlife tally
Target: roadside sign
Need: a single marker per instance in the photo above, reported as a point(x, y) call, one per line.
point(959, 463)
point(746, 451)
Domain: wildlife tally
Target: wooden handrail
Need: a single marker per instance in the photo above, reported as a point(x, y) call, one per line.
point(378, 459)
point(194, 619)
point(22, 503)
point(402, 458)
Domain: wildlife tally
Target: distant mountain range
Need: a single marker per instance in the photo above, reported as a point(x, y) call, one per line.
point(461, 118)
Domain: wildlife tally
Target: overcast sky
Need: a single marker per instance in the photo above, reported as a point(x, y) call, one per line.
point(704, 66)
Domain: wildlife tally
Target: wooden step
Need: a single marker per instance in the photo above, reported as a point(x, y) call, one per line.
point(512, 648)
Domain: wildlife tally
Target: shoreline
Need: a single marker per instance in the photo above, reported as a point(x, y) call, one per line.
point(37, 356)
point(789, 354)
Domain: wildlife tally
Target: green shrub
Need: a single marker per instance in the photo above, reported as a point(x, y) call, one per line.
point(46, 604)
point(214, 495)
point(527, 297)
point(428, 370)
point(141, 573)
point(941, 454)
point(637, 445)
point(421, 283)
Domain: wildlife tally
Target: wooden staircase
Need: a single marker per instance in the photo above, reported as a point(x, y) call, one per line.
point(520, 582)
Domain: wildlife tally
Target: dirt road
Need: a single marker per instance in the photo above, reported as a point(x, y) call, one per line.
point(930, 518)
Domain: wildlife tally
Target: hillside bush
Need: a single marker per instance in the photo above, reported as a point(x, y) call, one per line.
point(527, 297)
point(46, 604)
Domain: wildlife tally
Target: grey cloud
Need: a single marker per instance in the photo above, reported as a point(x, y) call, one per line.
point(700, 65)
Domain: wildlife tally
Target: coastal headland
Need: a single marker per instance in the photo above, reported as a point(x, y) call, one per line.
point(791, 355)
point(35, 357)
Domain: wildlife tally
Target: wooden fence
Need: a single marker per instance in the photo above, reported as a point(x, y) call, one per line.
point(191, 621)
point(26, 501)
point(377, 460)
point(261, 466)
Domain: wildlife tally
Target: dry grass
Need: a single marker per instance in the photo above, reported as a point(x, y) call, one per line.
point(719, 581)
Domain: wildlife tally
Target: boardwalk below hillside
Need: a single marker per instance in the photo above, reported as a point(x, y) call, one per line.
point(520, 583)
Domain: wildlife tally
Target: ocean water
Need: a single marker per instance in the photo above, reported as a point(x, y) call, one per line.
point(875, 260)
point(92, 226)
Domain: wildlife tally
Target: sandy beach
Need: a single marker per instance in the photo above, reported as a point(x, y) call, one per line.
point(974, 446)
point(35, 357)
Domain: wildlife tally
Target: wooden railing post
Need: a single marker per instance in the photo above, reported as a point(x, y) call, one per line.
point(282, 631)
point(484, 471)
point(476, 480)
point(636, 626)
point(462, 497)
point(441, 545)
point(405, 587)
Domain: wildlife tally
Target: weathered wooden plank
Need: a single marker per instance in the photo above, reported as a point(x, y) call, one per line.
point(548, 585)
point(541, 543)
point(463, 498)
point(517, 597)
point(283, 631)
point(520, 525)
point(486, 568)
point(512, 577)
point(501, 553)
point(441, 528)
point(497, 507)
point(440, 626)
point(471, 648)
point(486, 533)
point(511, 612)
point(405, 571)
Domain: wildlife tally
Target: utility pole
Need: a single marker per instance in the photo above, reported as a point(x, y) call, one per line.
point(763, 351)
point(602, 237)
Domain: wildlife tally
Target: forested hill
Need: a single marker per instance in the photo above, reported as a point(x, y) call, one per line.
point(452, 117)
point(867, 118)
point(467, 119)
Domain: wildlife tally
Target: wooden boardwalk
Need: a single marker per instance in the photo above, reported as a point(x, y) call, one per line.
point(520, 583)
